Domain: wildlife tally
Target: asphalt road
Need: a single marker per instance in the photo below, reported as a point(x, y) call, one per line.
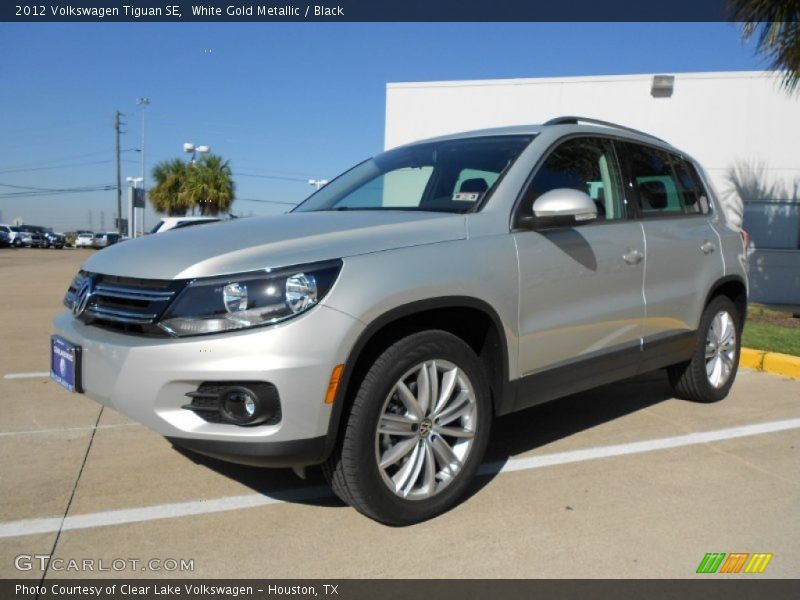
point(622, 481)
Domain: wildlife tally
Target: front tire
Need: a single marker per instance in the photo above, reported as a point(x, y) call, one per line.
point(417, 431)
point(710, 373)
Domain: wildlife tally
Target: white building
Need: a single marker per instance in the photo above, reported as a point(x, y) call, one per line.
point(741, 126)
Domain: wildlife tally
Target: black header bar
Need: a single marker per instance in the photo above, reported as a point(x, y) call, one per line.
point(363, 11)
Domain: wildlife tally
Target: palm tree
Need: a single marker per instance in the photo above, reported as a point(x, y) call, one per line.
point(777, 24)
point(209, 185)
point(165, 195)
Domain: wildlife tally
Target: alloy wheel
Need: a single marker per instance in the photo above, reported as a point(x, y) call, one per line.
point(720, 349)
point(426, 429)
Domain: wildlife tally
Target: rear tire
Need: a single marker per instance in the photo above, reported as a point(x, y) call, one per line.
point(710, 373)
point(416, 433)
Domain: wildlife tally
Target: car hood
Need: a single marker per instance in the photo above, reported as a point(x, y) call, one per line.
point(249, 244)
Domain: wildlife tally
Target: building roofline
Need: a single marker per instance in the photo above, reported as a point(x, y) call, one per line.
point(580, 79)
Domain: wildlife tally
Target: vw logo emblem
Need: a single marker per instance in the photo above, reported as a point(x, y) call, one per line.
point(82, 297)
point(425, 428)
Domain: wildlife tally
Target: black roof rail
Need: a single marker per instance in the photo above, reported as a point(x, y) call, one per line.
point(572, 120)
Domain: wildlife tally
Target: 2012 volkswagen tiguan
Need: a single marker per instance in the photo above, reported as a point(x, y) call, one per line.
point(379, 327)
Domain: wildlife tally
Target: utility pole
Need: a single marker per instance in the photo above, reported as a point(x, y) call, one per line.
point(117, 124)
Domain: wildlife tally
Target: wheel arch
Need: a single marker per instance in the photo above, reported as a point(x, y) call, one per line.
point(733, 287)
point(454, 314)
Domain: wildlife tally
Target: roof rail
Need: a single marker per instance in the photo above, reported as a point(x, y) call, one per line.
point(572, 120)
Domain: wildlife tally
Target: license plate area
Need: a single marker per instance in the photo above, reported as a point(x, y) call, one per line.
point(65, 364)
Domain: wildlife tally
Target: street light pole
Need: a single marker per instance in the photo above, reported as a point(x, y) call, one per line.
point(190, 148)
point(318, 183)
point(143, 102)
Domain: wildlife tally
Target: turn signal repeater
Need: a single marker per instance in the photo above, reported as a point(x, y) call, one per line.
point(333, 384)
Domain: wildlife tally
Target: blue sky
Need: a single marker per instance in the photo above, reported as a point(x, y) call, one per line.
point(278, 100)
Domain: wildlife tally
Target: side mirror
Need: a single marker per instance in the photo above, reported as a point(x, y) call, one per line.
point(562, 207)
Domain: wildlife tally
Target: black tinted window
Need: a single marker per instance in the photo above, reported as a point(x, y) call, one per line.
point(585, 164)
point(654, 180)
point(693, 196)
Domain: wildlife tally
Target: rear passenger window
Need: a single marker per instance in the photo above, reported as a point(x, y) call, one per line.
point(654, 179)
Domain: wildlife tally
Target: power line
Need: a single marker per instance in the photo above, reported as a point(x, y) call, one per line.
point(37, 165)
point(65, 166)
point(73, 126)
point(33, 194)
point(41, 189)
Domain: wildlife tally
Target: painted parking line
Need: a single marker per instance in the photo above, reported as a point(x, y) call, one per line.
point(201, 507)
point(690, 439)
point(64, 429)
point(35, 375)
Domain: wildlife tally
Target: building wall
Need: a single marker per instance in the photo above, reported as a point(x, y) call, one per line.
point(741, 126)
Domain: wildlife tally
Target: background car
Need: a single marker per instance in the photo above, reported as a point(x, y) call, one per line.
point(102, 240)
point(20, 238)
point(13, 234)
point(54, 240)
point(84, 239)
point(7, 235)
point(32, 236)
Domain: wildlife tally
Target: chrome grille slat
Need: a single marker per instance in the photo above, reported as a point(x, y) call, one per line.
point(113, 291)
point(122, 316)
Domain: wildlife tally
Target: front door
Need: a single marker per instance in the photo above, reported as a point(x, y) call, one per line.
point(581, 302)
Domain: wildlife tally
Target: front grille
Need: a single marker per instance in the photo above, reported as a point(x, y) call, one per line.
point(124, 304)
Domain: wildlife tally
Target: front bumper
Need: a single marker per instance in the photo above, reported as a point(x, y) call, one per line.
point(147, 379)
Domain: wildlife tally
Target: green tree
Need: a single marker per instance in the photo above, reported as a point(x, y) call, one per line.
point(165, 195)
point(206, 185)
point(209, 185)
point(776, 25)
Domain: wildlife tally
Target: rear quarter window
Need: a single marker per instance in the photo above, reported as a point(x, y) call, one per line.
point(693, 194)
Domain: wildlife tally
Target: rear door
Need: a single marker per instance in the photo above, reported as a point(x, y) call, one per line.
point(581, 305)
point(682, 255)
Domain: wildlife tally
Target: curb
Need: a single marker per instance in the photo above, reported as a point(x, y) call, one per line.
point(770, 362)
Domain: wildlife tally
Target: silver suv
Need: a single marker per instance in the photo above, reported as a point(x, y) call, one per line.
point(380, 326)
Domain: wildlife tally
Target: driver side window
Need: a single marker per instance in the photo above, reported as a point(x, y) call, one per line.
point(585, 164)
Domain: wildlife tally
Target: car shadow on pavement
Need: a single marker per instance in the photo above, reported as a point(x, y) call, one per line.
point(538, 426)
point(511, 435)
point(280, 484)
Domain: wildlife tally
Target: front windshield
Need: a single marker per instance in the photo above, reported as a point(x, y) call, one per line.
point(448, 176)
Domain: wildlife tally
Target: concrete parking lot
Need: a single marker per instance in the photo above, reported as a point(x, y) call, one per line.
point(622, 481)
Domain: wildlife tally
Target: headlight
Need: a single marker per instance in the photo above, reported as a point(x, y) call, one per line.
point(248, 299)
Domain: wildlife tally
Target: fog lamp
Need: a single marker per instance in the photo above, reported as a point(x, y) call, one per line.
point(240, 405)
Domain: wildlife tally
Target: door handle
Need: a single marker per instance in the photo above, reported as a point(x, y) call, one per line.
point(707, 247)
point(633, 256)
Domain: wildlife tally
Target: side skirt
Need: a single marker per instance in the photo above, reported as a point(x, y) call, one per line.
point(602, 368)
